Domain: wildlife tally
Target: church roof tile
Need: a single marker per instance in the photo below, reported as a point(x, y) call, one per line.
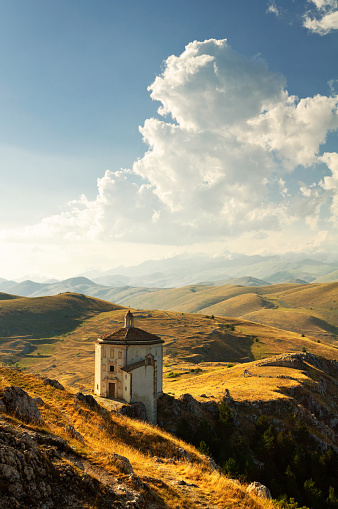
point(130, 335)
point(133, 366)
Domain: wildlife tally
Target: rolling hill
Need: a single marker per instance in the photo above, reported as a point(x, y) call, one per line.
point(57, 334)
point(7, 296)
point(275, 290)
point(47, 316)
point(268, 349)
point(310, 309)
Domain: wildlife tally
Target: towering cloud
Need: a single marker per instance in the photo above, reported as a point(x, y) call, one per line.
point(218, 160)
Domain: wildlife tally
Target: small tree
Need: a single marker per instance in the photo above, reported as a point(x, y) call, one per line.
point(204, 448)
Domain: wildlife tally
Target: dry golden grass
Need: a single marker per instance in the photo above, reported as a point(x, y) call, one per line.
point(107, 433)
point(317, 301)
point(294, 320)
point(238, 305)
point(263, 384)
point(191, 341)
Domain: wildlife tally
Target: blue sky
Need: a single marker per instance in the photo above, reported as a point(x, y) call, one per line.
point(232, 163)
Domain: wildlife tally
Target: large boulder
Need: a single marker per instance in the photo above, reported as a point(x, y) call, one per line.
point(122, 463)
point(74, 434)
point(17, 401)
point(54, 383)
point(183, 454)
point(88, 399)
point(258, 489)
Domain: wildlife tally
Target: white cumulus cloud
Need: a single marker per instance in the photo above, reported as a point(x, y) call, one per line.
point(229, 128)
point(325, 19)
point(330, 183)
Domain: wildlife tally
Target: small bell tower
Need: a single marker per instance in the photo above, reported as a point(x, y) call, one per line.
point(129, 320)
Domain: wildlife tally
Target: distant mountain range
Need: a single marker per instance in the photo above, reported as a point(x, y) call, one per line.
point(118, 284)
point(282, 297)
point(183, 270)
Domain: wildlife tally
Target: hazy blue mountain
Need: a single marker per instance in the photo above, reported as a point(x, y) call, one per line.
point(296, 281)
point(25, 288)
point(6, 283)
point(74, 284)
point(327, 278)
point(124, 283)
point(112, 280)
point(243, 281)
point(184, 270)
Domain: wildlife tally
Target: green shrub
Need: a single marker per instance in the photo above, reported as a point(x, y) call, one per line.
point(203, 448)
point(173, 374)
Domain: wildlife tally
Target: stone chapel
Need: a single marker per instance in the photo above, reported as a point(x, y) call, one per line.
point(129, 366)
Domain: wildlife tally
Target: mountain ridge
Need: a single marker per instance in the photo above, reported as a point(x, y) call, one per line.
point(182, 270)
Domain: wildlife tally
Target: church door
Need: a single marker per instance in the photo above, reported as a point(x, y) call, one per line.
point(112, 390)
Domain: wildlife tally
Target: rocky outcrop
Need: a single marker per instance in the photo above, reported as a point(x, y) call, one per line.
point(135, 410)
point(213, 465)
point(171, 411)
point(314, 401)
point(15, 400)
point(88, 399)
point(258, 489)
point(38, 470)
point(285, 360)
point(34, 475)
point(300, 361)
point(183, 454)
point(74, 434)
point(54, 383)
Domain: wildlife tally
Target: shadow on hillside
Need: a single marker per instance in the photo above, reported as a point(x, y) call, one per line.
point(219, 346)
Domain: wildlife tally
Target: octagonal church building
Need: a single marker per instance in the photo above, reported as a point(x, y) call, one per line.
point(129, 366)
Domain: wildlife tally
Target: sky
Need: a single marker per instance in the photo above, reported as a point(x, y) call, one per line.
point(140, 129)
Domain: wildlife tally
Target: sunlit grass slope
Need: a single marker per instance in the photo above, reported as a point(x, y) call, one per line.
point(192, 341)
point(266, 304)
point(263, 383)
point(106, 434)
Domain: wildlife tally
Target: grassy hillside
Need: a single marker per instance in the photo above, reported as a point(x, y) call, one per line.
point(192, 341)
point(258, 381)
point(172, 481)
point(309, 309)
point(7, 296)
point(30, 327)
point(47, 316)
